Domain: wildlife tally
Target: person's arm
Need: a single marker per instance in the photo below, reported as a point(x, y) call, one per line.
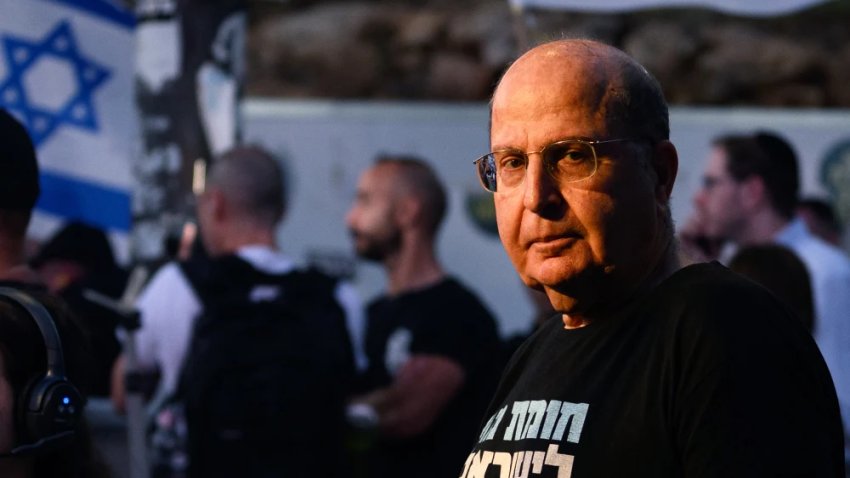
point(154, 303)
point(117, 391)
point(348, 298)
point(421, 390)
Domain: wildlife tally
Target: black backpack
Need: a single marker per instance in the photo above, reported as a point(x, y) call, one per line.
point(266, 375)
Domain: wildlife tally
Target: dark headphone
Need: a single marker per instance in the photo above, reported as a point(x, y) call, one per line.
point(50, 408)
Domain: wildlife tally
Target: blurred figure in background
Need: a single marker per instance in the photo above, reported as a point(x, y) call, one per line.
point(45, 450)
point(749, 197)
point(19, 190)
point(429, 340)
point(255, 351)
point(821, 220)
point(78, 258)
point(35, 443)
point(780, 271)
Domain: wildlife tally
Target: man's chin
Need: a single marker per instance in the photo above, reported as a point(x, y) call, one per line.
point(555, 273)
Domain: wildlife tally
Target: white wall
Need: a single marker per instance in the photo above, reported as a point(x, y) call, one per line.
point(325, 146)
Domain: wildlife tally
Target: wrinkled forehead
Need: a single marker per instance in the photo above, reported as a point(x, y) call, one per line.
point(560, 68)
point(554, 78)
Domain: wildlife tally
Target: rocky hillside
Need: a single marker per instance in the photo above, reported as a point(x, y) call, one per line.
point(455, 50)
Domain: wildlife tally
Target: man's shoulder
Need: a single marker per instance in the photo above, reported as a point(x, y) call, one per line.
point(822, 257)
point(712, 299)
point(704, 282)
point(459, 302)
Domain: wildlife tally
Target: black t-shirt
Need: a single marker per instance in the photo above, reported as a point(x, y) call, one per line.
point(705, 376)
point(445, 319)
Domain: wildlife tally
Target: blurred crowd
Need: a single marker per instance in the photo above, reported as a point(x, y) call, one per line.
point(250, 364)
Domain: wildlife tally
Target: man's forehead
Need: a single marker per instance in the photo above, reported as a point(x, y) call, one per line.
point(553, 78)
point(380, 179)
point(717, 161)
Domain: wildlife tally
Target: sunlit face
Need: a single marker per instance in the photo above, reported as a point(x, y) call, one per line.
point(718, 201)
point(371, 221)
point(584, 242)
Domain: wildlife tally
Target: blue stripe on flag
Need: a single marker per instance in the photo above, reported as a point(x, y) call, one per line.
point(104, 9)
point(96, 204)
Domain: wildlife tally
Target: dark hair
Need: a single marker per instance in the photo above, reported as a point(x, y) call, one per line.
point(768, 157)
point(80, 243)
point(780, 271)
point(253, 180)
point(421, 180)
point(19, 187)
point(25, 359)
point(824, 212)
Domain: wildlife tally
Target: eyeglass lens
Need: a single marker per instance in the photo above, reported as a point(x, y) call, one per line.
point(566, 161)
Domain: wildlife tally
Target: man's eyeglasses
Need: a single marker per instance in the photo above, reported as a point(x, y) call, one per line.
point(566, 161)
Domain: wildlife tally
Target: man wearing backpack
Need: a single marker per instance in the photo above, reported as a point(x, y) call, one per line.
point(256, 352)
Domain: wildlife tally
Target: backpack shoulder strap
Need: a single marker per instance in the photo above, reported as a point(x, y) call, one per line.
point(221, 277)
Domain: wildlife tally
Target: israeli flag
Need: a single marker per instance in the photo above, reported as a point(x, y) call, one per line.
point(66, 72)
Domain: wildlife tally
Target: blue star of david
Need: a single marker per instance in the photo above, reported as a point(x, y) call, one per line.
point(60, 44)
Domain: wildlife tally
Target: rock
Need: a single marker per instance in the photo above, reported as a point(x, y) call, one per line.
point(665, 48)
point(740, 60)
point(486, 30)
point(422, 29)
point(303, 51)
point(457, 77)
point(838, 78)
point(456, 50)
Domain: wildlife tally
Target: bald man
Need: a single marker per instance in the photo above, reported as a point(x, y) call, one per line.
point(430, 341)
point(653, 370)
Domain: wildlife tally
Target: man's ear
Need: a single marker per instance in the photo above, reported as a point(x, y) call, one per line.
point(665, 163)
point(217, 203)
point(407, 211)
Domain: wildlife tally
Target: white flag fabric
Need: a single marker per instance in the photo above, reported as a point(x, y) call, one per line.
point(737, 7)
point(66, 72)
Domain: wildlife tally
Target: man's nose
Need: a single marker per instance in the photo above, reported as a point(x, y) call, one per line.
point(541, 189)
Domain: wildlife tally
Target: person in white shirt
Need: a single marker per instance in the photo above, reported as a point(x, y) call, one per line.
point(238, 214)
point(749, 196)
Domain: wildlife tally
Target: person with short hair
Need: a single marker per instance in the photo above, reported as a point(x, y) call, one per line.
point(429, 339)
point(76, 260)
point(820, 218)
point(749, 197)
point(655, 369)
point(238, 213)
